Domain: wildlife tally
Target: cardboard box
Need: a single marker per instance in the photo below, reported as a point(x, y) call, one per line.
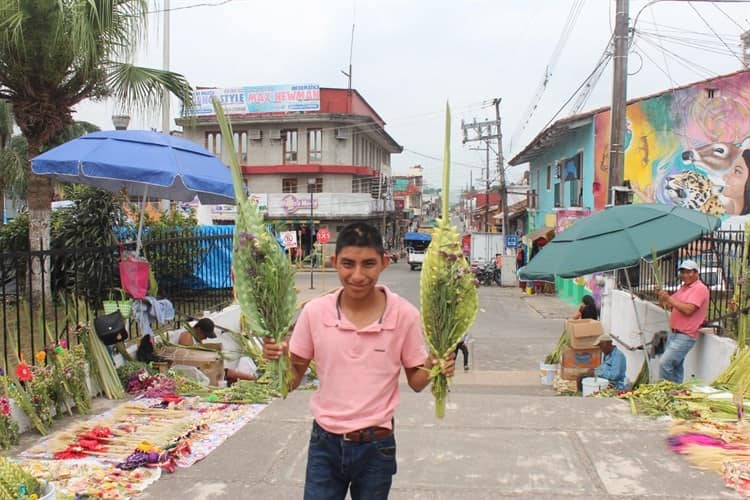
point(583, 332)
point(209, 362)
point(575, 373)
point(581, 358)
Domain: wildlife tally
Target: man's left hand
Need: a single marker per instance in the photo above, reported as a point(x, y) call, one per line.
point(448, 364)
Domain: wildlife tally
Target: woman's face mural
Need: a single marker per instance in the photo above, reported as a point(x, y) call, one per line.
point(688, 148)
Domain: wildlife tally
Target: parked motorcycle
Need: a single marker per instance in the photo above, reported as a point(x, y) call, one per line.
point(487, 274)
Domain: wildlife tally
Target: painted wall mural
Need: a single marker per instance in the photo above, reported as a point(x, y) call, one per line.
point(690, 147)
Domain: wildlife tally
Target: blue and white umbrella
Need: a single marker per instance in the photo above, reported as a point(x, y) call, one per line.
point(141, 162)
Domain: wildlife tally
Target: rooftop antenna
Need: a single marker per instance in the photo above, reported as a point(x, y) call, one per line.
point(351, 47)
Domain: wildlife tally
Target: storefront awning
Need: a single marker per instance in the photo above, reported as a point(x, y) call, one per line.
point(542, 232)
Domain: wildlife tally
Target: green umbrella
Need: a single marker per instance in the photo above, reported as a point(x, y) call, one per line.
point(617, 237)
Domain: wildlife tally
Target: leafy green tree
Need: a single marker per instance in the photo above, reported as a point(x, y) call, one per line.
point(87, 226)
point(55, 54)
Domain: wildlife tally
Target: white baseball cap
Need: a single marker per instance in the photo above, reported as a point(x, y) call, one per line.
point(690, 265)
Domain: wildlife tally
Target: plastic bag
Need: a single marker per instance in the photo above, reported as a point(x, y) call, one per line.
point(134, 276)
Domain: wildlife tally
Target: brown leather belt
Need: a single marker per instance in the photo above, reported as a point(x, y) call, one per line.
point(367, 435)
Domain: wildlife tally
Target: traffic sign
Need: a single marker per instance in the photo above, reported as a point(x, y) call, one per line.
point(323, 236)
point(511, 241)
point(289, 238)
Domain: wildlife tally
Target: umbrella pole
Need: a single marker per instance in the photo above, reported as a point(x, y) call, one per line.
point(140, 223)
point(638, 322)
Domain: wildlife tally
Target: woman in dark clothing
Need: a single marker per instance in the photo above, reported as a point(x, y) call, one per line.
point(587, 309)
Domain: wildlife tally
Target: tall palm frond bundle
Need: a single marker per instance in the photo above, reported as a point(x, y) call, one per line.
point(263, 277)
point(448, 293)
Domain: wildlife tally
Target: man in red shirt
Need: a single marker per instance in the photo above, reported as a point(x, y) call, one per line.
point(360, 337)
point(689, 305)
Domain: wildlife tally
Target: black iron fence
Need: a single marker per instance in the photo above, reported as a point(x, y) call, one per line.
point(44, 294)
point(718, 255)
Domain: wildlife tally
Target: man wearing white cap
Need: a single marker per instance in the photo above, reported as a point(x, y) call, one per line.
point(614, 365)
point(689, 305)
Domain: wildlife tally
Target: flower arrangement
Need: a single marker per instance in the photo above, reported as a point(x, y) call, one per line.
point(41, 393)
point(25, 400)
point(68, 370)
point(16, 483)
point(8, 426)
point(263, 277)
point(152, 386)
point(448, 293)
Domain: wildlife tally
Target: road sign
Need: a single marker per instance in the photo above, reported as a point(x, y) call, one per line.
point(323, 236)
point(289, 238)
point(511, 241)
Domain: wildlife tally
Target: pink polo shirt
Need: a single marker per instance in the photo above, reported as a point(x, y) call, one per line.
point(358, 370)
point(697, 294)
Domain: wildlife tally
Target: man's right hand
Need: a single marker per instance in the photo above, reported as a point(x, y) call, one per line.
point(273, 351)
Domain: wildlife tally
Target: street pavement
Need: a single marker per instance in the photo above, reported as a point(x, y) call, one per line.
point(504, 435)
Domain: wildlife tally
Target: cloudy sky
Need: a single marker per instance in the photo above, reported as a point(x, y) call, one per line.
point(410, 56)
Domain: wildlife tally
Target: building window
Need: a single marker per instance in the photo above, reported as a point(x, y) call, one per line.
point(355, 185)
point(213, 143)
point(558, 202)
point(290, 145)
point(288, 185)
point(240, 146)
point(712, 93)
point(549, 176)
point(318, 187)
point(314, 145)
point(572, 177)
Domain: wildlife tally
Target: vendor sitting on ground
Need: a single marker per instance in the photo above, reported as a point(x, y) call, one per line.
point(613, 362)
point(204, 329)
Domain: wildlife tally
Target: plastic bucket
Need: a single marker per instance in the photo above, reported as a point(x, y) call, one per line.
point(48, 491)
point(590, 385)
point(547, 373)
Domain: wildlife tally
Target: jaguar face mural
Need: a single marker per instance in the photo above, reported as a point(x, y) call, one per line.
point(689, 147)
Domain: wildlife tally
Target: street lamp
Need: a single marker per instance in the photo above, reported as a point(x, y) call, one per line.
point(120, 122)
point(311, 188)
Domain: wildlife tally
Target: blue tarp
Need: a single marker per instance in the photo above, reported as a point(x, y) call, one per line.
point(214, 270)
point(418, 237)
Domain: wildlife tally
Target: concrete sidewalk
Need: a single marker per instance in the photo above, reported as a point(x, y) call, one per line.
point(491, 443)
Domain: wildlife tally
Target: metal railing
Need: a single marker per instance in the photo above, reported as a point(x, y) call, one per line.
point(717, 254)
point(44, 294)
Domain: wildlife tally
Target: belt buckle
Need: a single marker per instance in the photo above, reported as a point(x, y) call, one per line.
point(345, 437)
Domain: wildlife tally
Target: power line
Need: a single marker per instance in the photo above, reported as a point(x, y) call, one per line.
point(192, 6)
point(714, 32)
point(743, 28)
point(663, 54)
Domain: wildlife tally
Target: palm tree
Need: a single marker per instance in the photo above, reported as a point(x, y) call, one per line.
point(57, 53)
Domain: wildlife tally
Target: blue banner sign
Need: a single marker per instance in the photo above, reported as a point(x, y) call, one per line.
point(511, 241)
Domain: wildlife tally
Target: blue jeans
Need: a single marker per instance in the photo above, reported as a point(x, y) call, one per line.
point(335, 465)
point(673, 359)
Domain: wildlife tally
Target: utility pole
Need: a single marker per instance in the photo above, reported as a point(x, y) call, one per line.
point(486, 131)
point(487, 190)
point(501, 168)
point(619, 99)
point(165, 63)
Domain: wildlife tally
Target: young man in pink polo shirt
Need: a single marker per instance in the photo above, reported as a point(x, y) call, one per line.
point(359, 337)
point(689, 306)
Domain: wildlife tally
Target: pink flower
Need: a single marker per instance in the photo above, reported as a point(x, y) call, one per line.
point(63, 344)
point(4, 407)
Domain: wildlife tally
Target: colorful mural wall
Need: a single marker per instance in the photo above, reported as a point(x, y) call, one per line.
point(689, 147)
